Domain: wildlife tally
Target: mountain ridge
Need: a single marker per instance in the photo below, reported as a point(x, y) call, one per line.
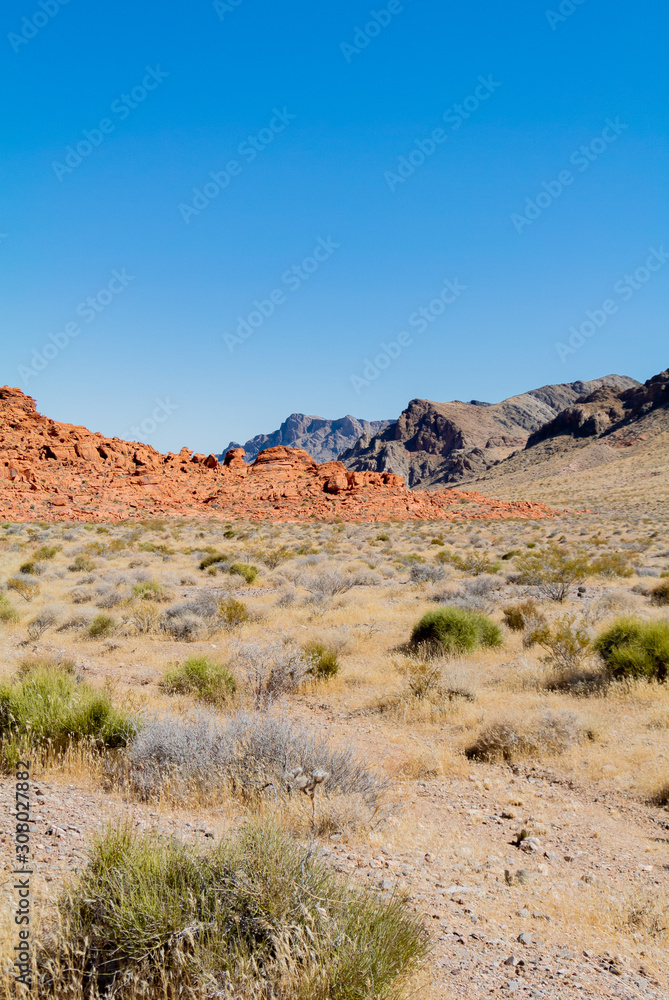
point(455, 440)
point(323, 439)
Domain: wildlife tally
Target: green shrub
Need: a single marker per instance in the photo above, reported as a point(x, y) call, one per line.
point(148, 590)
point(257, 915)
point(634, 648)
point(27, 589)
point(101, 627)
point(8, 613)
point(324, 658)
point(453, 630)
point(46, 707)
point(383, 537)
point(474, 563)
point(611, 564)
point(163, 550)
point(553, 570)
point(198, 675)
point(47, 552)
point(249, 573)
point(30, 568)
point(81, 564)
point(233, 613)
point(660, 594)
point(212, 559)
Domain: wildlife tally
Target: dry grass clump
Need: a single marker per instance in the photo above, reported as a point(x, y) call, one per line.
point(660, 594)
point(434, 686)
point(554, 733)
point(523, 615)
point(256, 916)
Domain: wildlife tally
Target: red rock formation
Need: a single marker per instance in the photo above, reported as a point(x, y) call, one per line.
point(59, 472)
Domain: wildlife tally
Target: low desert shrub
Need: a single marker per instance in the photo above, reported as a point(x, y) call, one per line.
point(102, 626)
point(435, 679)
point(233, 613)
point(518, 616)
point(256, 915)
point(324, 660)
point(250, 754)
point(632, 648)
point(660, 595)
point(212, 559)
point(611, 564)
point(553, 734)
point(148, 590)
point(30, 568)
point(474, 563)
point(46, 552)
point(246, 571)
point(81, 564)
point(271, 669)
point(453, 630)
point(566, 642)
point(327, 584)
point(210, 682)
point(274, 557)
point(661, 795)
point(41, 623)
point(8, 612)
point(25, 588)
point(553, 570)
point(45, 707)
point(420, 573)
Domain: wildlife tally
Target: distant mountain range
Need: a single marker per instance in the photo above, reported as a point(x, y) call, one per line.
point(323, 439)
point(451, 442)
point(432, 442)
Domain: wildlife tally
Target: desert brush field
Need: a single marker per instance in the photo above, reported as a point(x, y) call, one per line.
point(339, 760)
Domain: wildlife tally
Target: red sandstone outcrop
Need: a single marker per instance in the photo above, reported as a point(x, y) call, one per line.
point(53, 471)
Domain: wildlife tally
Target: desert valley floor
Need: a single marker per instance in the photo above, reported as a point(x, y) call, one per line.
point(513, 795)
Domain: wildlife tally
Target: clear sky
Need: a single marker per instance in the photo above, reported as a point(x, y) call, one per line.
point(332, 165)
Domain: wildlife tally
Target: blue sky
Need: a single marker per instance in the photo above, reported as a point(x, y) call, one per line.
point(540, 197)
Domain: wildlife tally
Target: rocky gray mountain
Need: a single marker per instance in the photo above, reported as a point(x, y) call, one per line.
point(451, 442)
point(323, 439)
